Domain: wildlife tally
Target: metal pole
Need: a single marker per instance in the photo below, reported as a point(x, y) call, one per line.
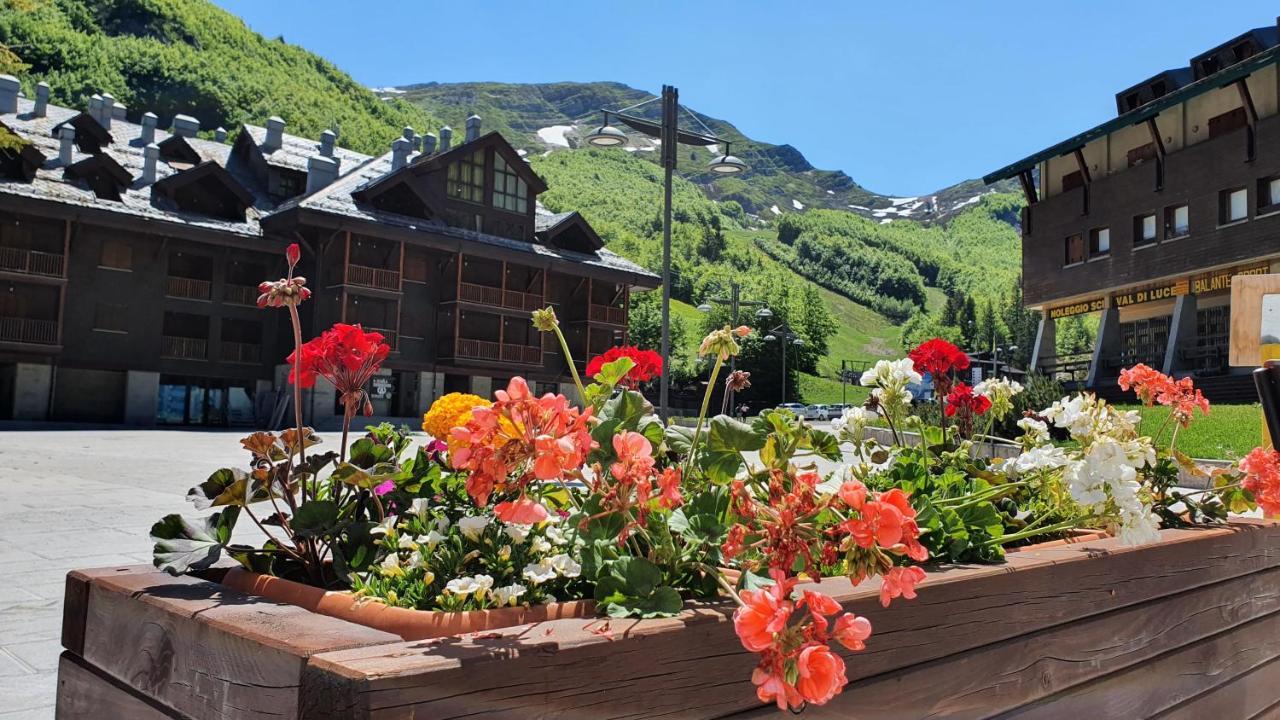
point(669, 120)
point(734, 288)
point(844, 384)
point(784, 367)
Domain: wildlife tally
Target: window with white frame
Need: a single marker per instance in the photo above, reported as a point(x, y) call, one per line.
point(510, 192)
point(1233, 205)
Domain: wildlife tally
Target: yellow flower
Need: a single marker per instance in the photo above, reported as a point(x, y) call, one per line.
point(450, 411)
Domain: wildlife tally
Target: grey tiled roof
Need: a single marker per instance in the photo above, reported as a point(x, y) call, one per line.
point(294, 151)
point(543, 221)
point(50, 183)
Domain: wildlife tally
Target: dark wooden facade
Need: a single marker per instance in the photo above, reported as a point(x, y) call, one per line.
point(131, 297)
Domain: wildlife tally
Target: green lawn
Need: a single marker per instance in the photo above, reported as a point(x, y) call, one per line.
point(825, 391)
point(1229, 432)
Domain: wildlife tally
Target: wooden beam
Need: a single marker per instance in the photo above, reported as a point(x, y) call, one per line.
point(1084, 169)
point(1155, 137)
point(1028, 187)
point(1246, 100)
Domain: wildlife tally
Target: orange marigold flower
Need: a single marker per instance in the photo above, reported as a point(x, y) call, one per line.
point(450, 411)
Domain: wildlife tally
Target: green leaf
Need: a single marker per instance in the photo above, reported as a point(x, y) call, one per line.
point(825, 445)
point(627, 407)
point(641, 575)
point(226, 486)
point(182, 546)
point(662, 602)
point(729, 435)
point(315, 518)
point(612, 373)
point(679, 439)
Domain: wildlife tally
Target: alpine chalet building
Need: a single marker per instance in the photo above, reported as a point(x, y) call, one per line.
point(130, 258)
point(1144, 219)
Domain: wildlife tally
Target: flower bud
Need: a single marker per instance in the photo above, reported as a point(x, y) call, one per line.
point(293, 254)
point(545, 319)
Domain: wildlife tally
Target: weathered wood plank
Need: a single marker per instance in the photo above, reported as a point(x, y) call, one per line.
point(76, 601)
point(85, 693)
point(1145, 691)
point(1007, 675)
point(1252, 694)
point(693, 666)
point(206, 651)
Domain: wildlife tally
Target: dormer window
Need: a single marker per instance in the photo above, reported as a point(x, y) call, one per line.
point(510, 192)
point(466, 178)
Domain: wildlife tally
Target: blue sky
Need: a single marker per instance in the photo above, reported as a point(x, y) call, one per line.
point(906, 97)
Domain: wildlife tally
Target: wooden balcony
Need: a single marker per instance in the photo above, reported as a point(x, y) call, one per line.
point(378, 278)
point(28, 330)
point(498, 297)
point(238, 352)
point(608, 314)
point(499, 352)
point(181, 348)
point(240, 294)
point(32, 262)
point(188, 288)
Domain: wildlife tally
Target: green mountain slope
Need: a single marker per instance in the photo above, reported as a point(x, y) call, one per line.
point(188, 56)
point(551, 116)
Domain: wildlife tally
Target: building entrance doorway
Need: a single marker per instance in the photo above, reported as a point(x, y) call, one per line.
point(210, 402)
point(1144, 341)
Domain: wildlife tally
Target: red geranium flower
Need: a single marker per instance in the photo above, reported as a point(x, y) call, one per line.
point(962, 399)
point(346, 356)
point(648, 364)
point(939, 359)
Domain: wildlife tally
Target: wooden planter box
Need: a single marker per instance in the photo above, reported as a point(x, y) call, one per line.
point(1184, 628)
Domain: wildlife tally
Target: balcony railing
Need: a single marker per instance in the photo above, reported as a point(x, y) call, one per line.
point(238, 352)
point(182, 348)
point(31, 262)
point(187, 288)
point(608, 314)
point(373, 277)
point(499, 352)
point(28, 330)
point(497, 297)
point(240, 294)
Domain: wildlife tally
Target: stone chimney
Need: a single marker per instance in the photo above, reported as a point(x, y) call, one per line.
point(275, 134)
point(149, 124)
point(400, 150)
point(150, 156)
point(42, 100)
point(95, 107)
point(220, 135)
point(321, 171)
point(473, 128)
point(66, 144)
point(106, 110)
point(185, 126)
point(9, 86)
point(327, 140)
point(118, 111)
point(446, 134)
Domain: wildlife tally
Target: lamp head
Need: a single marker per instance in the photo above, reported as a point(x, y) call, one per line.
point(704, 307)
point(606, 136)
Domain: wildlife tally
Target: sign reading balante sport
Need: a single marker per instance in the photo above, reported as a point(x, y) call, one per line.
point(1200, 284)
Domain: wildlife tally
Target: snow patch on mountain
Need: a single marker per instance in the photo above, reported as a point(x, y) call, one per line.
point(555, 135)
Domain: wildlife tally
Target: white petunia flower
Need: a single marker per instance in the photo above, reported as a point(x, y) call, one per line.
point(517, 533)
point(508, 594)
point(387, 525)
point(540, 545)
point(420, 507)
point(565, 565)
point(478, 584)
point(539, 572)
point(472, 526)
point(407, 542)
point(431, 539)
point(390, 565)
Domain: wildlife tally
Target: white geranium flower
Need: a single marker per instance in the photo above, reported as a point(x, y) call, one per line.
point(517, 533)
point(852, 425)
point(472, 526)
point(1045, 457)
point(565, 565)
point(1036, 432)
point(508, 594)
point(539, 572)
point(1000, 391)
point(420, 507)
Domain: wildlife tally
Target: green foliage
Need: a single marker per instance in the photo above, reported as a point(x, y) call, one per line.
point(188, 56)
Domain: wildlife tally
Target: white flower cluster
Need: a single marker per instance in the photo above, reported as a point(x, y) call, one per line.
point(890, 379)
point(548, 569)
point(1000, 391)
point(1104, 475)
point(851, 426)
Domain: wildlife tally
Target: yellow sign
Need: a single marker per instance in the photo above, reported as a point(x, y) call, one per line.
point(1152, 293)
point(1221, 279)
point(1077, 308)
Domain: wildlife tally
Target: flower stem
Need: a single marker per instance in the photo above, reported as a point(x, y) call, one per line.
point(724, 584)
point(1059, 527)
point(573, 369)
point(702, 414)
point(297, 389)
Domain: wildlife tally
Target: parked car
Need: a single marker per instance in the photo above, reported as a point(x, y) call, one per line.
point(800, 410)
point(829, 412)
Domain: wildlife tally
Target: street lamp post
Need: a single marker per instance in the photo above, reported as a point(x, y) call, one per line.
point(735, 303)
point(783, 335)
point(671, 136)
